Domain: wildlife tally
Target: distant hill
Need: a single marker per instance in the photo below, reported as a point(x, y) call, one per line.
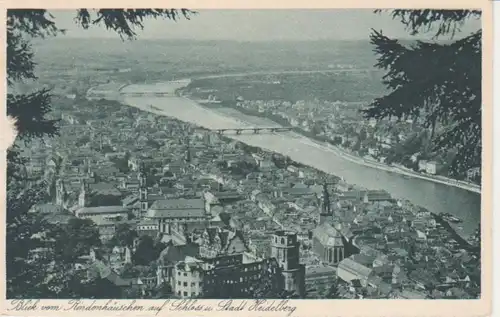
point(151, 60)
point(199, 56)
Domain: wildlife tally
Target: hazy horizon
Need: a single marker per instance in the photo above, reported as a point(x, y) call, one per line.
point(180, 40)
point(284, 25)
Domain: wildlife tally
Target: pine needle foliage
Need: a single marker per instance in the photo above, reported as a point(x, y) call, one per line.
point(435, 82)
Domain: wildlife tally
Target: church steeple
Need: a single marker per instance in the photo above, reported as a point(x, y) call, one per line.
point(82, 199)
point(143, 189)
point(326, 210)
point(60, 192)
point(88, 167)
point(188, 152)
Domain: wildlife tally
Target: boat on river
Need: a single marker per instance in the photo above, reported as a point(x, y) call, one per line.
point(450, 218)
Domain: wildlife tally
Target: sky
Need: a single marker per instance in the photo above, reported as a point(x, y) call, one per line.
point(259, 25)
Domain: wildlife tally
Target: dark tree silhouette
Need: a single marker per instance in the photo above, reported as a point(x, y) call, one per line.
point(438, 84)
point(163, 291)
point(26, 273)
point(121, 164)
point(75, 239)
point(124, 235)
point(147, 250)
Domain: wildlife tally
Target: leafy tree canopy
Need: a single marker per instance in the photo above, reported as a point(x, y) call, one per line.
point(147, 250)
point(75, 240)
point(124, 235)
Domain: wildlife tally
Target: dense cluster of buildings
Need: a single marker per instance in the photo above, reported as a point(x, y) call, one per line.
point(231, 217)
point(341, 123)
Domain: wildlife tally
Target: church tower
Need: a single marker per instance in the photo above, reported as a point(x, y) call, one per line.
point(188, 152)
point(84, 192)
point(89, 167)
point(127, 255)
point(325, 215)
point(143, 189)
point(285, 249)
point(60, 193)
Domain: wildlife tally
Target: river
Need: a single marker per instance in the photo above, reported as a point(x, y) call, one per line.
point(438, 198)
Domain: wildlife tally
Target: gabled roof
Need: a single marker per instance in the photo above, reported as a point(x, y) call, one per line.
point(130, 200)
point(364, 259)
point(177, 208)
point(147, 222)
point(321, 271)
point(175, 253)
point(104, 189)
point(233, 236)
point(328, 235)
point(354, 270)
point(154, 197)
point(59, 218)
point(407, 294)
point(102, 210)
point(48, 208)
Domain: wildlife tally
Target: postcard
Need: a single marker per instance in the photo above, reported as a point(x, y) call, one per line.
point(280, 158)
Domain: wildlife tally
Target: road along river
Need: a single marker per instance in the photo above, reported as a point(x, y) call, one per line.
point(436, 197)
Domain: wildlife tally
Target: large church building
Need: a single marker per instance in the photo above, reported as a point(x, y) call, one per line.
point(327, 242)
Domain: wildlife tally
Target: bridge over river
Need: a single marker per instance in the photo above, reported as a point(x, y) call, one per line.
point(438, 198)
point(254, 130)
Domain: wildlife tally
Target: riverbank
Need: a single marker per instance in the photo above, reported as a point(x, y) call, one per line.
point(456, 236)
point(173, 87)
point(348, 155)
point(436, 197)
point(407, 172)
